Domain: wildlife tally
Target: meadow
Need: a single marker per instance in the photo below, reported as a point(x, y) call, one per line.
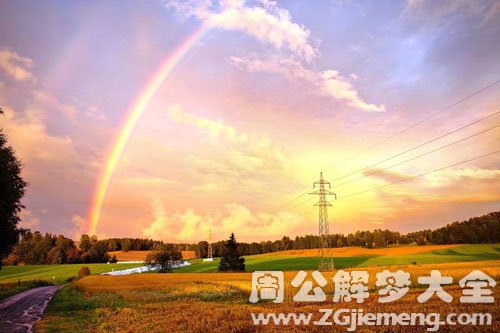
point(53, 273)
point(219, 301)
point(286, 261)
point(359, 257)
point(190, 301)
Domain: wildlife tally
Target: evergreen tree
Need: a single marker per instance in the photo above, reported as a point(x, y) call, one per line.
point(231, 261)
point(12, 189)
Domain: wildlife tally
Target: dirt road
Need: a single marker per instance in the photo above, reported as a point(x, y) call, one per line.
point(20, 312)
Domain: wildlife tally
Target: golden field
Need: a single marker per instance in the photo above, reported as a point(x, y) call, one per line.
point(204, 282)
point(193, 315)
point(197, 302)
point(141, 255)
point(362, 251)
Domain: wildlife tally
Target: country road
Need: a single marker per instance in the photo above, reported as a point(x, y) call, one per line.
point(20, 312)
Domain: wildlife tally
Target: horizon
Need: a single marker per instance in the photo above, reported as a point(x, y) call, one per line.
point(77, 240)
point(161, 119)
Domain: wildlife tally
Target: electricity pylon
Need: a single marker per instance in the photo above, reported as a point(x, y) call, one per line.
point(210, 254)
point(325, 258)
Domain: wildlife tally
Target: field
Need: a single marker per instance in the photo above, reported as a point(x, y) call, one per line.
point(219, 302)
point(285, 261)
point(53, 273)
point(188, 300)
point(141, 255)
point(359, 257)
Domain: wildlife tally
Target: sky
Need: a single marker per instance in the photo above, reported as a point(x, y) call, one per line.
point(162, 119)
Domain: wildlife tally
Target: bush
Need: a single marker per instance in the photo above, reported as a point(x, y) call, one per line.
point(164, 259)
point(83, 272)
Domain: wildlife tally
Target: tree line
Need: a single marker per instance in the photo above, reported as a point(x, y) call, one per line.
point(483, 229)
point(476, 230)
point(127, 244)
point(33, 248)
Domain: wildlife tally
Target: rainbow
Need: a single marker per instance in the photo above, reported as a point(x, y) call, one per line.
point(134, 113)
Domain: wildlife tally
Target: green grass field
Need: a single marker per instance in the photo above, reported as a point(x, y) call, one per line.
point(462, 253)
point(53, 273)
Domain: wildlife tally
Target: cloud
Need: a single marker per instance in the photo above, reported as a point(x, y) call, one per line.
point(237, 153)
point(94, 113)
point(486, 11)
point(16, 66)
point(29, 136)
point(216, 129)
point(263, 20)
point(233, 218)
point(458, 175)
point(80, 226)
point(385, 175)
point(52, 159)
point(50, 102)
point(270, 24)
point(328, 83)
point(147, 181)
point(338, 87)
point(28, 220)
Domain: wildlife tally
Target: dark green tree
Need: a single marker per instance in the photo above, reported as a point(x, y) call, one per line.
point(12, 190)
point(85, 243)
point(230, 260)
point(164, 258)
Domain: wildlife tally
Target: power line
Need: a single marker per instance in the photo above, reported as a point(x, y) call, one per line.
point(420, 122)
point(399, 154)
point(393, 183)
point(419, 146)
point(477, 92)
point(418, 156)
point(419, 175)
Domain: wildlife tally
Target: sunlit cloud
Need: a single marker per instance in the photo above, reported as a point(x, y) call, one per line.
point(457, 175)
point(29, 135)
point(327, 83)
point(385, 175)
point(16, 66)
point(263, 20)
point(263, 101)
point(232, 218)
point(215, 129)
point(29, 220)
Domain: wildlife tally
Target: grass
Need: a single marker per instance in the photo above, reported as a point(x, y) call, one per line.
point(9, 289)
point(193, 302)
point(53, 273)
point(68, 306)
point(396, 256)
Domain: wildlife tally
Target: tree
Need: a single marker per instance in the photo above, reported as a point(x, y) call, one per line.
point(202, 249)
point(126, 245)
point(85, 243)
point(12, 190)
point(164, 258)
point(231, 261)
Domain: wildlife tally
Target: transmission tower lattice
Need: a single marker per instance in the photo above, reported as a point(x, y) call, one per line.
point(210, 253)
point(325, 258)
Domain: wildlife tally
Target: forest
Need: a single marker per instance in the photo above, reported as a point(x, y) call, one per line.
point(34, 248)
